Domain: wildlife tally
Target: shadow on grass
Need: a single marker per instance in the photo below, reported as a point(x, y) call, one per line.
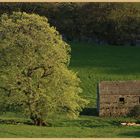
point(133, 134)
point(15, 122)
point(91, 123)
point(82, 123)
point(89, 112)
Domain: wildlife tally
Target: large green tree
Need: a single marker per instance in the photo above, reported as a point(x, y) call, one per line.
point(34, 74)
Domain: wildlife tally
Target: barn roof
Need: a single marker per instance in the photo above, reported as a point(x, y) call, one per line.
point(119, 87)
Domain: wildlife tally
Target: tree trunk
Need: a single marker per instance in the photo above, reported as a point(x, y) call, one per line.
point(38, 121)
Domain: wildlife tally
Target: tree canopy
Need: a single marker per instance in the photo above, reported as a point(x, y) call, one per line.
point(110, 23)
point(34, 73)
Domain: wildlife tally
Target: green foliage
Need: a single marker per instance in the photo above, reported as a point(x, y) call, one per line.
point(124, 25)
point(33, 69)
point(113, 23)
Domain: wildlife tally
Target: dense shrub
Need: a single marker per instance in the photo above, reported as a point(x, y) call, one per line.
point(135, 112)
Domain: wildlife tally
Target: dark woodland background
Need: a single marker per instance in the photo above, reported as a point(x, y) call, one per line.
point(102, 23)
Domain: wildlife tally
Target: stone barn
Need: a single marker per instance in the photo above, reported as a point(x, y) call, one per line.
point(117, 98)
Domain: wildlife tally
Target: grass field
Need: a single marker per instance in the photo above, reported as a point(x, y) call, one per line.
point(97, 63)
point(93, 64)
point(84, 126)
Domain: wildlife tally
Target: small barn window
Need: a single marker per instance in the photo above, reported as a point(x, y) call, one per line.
point(121, 100)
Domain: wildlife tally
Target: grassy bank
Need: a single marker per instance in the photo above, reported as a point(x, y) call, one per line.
point(84, 126)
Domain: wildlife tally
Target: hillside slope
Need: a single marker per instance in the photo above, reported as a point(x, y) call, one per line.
point(97, 63)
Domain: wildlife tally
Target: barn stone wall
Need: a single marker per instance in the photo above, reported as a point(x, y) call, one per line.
point(110, 105)
point(117, 100)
